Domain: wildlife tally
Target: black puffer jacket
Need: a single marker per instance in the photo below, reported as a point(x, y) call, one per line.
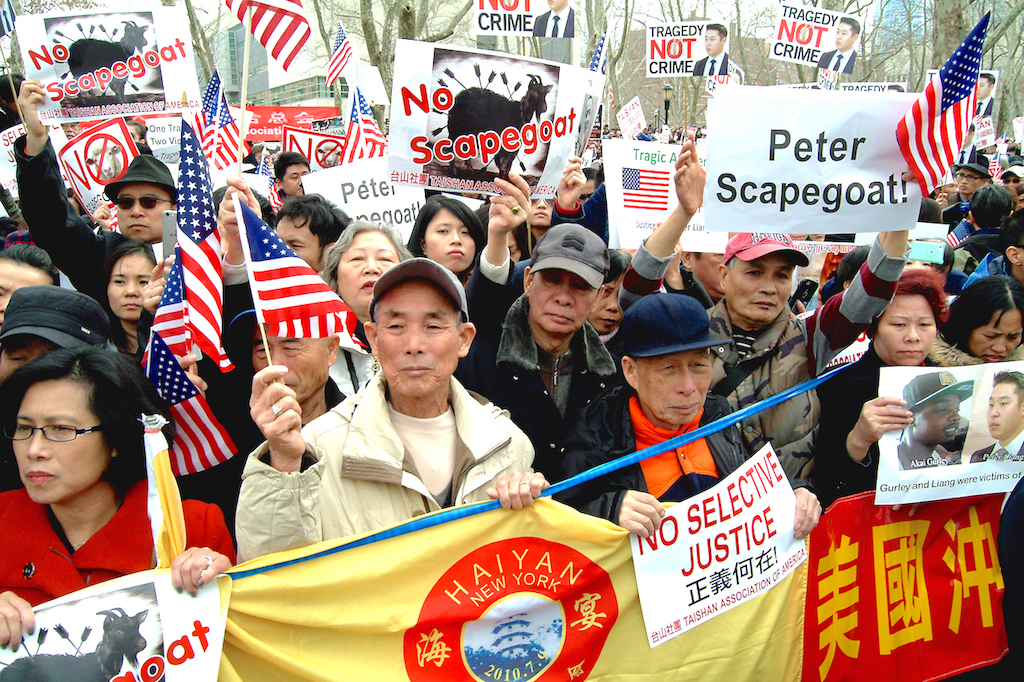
point(604, 431)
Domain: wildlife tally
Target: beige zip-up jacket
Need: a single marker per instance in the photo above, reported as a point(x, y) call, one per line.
point(361, 480)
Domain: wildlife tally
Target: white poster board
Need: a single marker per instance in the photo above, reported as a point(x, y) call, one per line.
point(460, 118)
point(813, 36)
point(9, 167)
point(718, 549)
point(807, 157)
point(631, 119)
point(686, 48)
point(93, 159)
point(125, 62)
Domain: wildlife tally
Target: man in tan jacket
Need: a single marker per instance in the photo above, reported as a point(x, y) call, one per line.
point(411, 442)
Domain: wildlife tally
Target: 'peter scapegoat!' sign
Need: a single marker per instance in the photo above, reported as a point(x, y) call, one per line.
point(809, 162)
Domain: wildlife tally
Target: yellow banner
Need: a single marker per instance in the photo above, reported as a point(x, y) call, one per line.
point(503, 596)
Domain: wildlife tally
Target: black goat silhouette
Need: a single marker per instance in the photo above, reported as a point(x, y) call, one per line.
point(121, 639)
point(85, 55)
point(478, 109)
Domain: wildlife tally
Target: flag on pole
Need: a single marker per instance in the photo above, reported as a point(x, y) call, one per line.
point(995, 166)
point(281, 26)
point(340, 58)
point(289, 297)
point(170, 319)
point(599, 62)
point(364, 139)
point(200, 441)
point(216, 129)
point(199, 242)
point(163, 499)
point(7, 20)
point(274, 194)
point(933, 130)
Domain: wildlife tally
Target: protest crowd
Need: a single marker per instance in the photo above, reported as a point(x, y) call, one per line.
point(496, 351)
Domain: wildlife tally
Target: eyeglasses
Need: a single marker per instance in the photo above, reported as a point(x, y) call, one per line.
point(58, 433)
point(965, 176)
point(126, 203)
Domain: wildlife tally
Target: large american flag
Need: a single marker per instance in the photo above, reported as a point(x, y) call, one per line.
point(215, 128)
point(200, 441)
point(646, 189)
point(289, 297)
point(281, 26)
point(170, 317)
point(341, 56)
point(933, 130)
point(363, 139)
point(199, 242)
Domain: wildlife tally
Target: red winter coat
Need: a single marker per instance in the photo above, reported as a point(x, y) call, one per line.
point(35, 564)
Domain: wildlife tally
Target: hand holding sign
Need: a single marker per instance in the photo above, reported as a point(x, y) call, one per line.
point(570, 187)
point(29, 99)
point(689, 178)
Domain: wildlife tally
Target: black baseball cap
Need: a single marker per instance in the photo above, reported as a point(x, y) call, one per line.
point(662, 324)
point(928, 387)
point(68, 318)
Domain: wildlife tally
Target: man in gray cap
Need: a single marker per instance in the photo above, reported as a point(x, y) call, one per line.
point(142, 194)
point(535, 353)
point(412, 441)
point(40, 319)
point(668, 368)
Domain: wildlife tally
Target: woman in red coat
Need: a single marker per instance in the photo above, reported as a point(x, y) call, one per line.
point(73, 420)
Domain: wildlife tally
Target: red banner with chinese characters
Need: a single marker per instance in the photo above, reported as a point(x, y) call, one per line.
point(909, 598)
point(268, 122)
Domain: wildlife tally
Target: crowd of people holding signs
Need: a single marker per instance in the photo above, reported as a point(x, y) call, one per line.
point(387, 334)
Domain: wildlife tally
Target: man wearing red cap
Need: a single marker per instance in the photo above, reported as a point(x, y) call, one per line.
point(764, 348)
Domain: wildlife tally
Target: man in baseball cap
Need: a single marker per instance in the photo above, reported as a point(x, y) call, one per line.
point(541, 360)
point(934, 399)
point(40, 319)
point(668, 369)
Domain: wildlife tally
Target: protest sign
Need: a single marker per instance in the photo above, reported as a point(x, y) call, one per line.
point(631, 119)
point(163, 135)
point(365, 191)
point(97, 64)
point(323, 150)
point(984, 132)
point(816, 37)
point(93, 159)
point(895, 86)
point(903, 595)
point(718, 549)
point(806, 157)
point(1018, 129)
point(9, 167)
point(461, 118)
point(638, 176)
point(966, 438)
point(267, 123)
point(139, 625)
point(687, 48)
point(524, 18)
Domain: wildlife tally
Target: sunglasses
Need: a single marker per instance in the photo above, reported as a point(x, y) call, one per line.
point(126, 203)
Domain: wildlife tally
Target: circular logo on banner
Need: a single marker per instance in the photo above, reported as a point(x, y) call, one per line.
point(513, 610)
point(328, 153)
point(105, 158)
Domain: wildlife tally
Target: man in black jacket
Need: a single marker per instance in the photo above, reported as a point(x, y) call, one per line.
point(668, 370)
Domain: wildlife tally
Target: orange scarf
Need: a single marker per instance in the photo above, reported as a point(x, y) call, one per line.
point(661, 471)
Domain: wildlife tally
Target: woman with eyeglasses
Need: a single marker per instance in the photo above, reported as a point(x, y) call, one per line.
point(127, 272)
point(73, 420)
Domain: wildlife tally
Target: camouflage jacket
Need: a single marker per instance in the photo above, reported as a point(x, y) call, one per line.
point(800, 347)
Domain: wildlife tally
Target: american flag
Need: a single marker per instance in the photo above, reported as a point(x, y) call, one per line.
point(364, 139)
point(215, 127)
point(274, 194)
point(199, 242)
point(934, 128)
point(995, 166)
point(170, 317)
point(959, 233)
point(600, 59)
point(7, 18)
point(289, 297)
point(200, 442)
point(281, 26)
point(340, 58)
point(646, 189)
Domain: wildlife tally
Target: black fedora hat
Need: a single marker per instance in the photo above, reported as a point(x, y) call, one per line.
point(144, 168)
